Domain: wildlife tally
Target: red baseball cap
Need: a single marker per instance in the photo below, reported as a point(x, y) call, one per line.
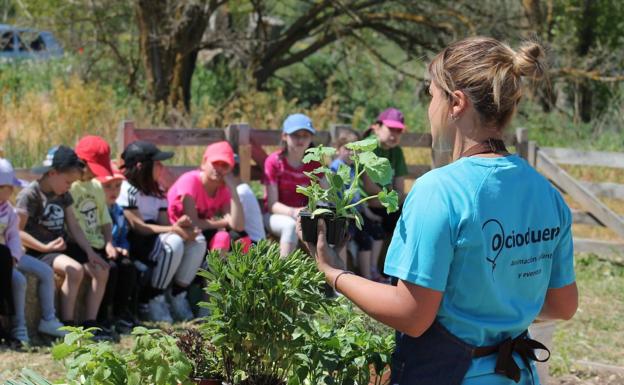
point(117, 175)
point(220, 151)
point(95, 151)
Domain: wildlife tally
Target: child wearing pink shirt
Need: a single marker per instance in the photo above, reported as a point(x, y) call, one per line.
point(284, 170)
point(209, 198)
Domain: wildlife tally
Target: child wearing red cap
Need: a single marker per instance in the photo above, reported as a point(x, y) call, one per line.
point(209, 197)
point(170, 249)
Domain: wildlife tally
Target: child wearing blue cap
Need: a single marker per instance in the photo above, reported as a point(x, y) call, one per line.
point(23, 263)
point(284, 170)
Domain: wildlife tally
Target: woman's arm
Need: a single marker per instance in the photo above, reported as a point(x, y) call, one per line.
point(560, 303)
point(406, 307)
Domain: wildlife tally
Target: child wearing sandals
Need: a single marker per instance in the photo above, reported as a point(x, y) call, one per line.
point(22, 263)
point(173, 251)
point(50, 232)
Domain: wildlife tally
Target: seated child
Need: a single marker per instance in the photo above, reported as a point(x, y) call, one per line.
point(208, 196)
point(173, 250)
point(50, 232)
point(92, 213)
point(125, 306)
point(369, 239)
point(10, 237)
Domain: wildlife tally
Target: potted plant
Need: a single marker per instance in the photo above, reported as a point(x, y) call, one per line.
point(207, 368)
point(336, 203)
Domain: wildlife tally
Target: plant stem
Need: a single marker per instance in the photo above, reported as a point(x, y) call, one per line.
point(360, 201)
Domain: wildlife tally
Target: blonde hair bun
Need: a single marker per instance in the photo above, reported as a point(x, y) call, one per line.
point(529, 60)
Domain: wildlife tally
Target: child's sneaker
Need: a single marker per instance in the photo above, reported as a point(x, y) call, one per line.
point(181, 307)
point(20, 333)
point(52, 328)
point(158, 310)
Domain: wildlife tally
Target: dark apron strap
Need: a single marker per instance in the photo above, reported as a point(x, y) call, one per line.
point(488, 146)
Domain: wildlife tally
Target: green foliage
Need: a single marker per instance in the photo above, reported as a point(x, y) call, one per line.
point(154, 359)
point(260, 303)
point(343, 187)
point(342, 347)
point(204, 357)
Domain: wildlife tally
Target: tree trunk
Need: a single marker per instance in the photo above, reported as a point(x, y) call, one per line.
point(586, 39)
point(170, 35)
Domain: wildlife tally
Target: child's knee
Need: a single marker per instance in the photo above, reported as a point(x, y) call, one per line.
point(220, 241)
point(74, 272)
point(18, 280)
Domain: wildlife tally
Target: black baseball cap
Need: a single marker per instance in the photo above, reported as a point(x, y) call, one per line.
point(141, 151)
point(59, 158)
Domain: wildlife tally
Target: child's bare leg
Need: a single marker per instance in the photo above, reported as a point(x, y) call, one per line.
point(99, 277)
point(72, 272)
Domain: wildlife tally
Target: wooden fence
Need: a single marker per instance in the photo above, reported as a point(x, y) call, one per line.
point(249, 143)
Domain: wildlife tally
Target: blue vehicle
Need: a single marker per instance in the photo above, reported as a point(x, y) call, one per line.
point(26, 43)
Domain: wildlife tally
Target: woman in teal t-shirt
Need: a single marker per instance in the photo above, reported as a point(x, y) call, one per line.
point(483, 246)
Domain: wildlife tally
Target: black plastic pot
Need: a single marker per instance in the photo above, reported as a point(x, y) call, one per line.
point(336, 228)
point(308, 227)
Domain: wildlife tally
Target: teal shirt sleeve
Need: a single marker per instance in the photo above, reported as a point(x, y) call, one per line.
point(421, 251)
point(562, 273)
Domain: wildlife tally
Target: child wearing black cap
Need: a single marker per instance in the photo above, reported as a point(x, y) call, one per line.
point(154, 240)
point(50, 232)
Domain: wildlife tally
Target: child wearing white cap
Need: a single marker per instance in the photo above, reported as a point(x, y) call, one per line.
point(10, 237)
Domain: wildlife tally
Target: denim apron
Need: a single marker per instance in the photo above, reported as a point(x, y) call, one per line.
point(439, 358)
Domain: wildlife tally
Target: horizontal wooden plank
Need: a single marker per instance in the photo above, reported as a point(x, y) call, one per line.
point(180, 137)
point(26, 174)
point(584, 158)
point(605, 189)
point(584, 218)
point(416, 139)
point(588, 201)
point(602, 248)
point(416, 170)
point(274, 137)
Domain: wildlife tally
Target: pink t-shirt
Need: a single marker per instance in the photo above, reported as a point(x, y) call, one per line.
point(190, 184)
point(278, 172)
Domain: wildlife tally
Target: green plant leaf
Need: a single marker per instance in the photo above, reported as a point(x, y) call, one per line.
point(377, 168)
point(318, 212)
point(316, 154)
point(389, 199)
point(368, 144)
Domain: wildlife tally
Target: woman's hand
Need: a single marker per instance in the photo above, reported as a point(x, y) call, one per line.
point(325, 255)
point(56, 245)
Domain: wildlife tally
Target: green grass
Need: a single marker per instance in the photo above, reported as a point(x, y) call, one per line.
point(596, 333)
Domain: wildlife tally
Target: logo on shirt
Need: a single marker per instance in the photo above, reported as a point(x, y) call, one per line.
point(53, 218)
point(88, 209)
point(500, 240)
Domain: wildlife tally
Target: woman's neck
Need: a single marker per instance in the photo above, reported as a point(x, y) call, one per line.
point(467, 138)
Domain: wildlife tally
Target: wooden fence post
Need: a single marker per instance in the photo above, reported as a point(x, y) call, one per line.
point(239, 137)
point(522, 142)
point(125, 135)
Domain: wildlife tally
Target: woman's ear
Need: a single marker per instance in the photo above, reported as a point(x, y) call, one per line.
point(459, 104)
